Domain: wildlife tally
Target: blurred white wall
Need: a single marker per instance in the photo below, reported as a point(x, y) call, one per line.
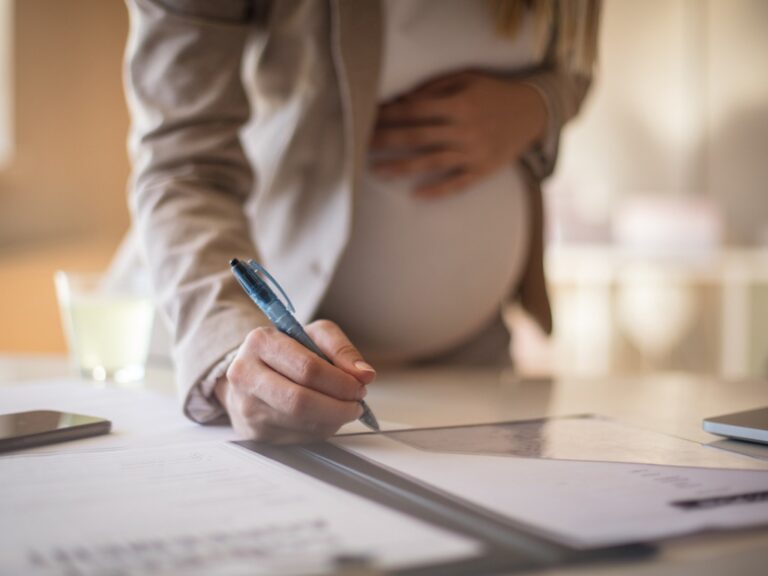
point(737, 115)
point(659, 207)
point(679, 107)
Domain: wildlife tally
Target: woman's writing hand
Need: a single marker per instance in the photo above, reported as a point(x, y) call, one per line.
point(278, 391)
point(456, 130)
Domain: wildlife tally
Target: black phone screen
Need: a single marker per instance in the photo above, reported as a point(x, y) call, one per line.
point(26, 429)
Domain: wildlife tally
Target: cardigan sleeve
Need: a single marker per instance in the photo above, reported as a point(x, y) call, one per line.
point(191, 176)
point(565, 78)
point(563, 94)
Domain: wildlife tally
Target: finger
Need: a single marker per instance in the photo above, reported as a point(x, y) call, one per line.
point(415, 137)
point(253, 419)
point(261, 428)
point(278, 435)
point(282, 436)
point(301, 408)
point(273, 425)
point(250, 417)
point(294, 407)
point(447, 186)
point(415, 111)
point(444, 85)
point(423, 163)
point(302, 366)
point(335, 344)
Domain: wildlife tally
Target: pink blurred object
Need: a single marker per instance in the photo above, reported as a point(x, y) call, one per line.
point(668, 225)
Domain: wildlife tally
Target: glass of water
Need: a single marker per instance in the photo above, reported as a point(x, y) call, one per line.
point(107, 327)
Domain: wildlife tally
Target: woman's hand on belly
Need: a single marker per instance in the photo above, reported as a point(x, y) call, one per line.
point(455, 130)
point(276, 390)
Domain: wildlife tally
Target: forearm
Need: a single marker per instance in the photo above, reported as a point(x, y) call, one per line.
point(190, 176)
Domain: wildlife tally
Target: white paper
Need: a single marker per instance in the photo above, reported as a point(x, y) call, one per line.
point(582, 504)
point(204, 509)
point(139, 417)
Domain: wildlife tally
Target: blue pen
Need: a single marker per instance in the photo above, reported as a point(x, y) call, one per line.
point(248, 275)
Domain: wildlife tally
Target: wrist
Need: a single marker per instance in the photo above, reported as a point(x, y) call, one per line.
point(536, 114)
point(220, 390)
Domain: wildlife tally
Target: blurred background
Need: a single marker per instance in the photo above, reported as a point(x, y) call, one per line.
point(657, 215)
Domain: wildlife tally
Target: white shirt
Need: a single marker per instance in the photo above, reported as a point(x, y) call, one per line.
point(421, 276)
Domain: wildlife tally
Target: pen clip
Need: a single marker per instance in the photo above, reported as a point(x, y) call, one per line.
point(259, 270)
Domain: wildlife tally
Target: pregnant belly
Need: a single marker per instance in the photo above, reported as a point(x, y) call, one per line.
point(421, 276)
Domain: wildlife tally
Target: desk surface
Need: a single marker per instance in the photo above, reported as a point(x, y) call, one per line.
point(670, 403)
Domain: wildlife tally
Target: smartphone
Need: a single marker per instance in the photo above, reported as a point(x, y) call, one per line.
point(751, 425)
point(39, 427)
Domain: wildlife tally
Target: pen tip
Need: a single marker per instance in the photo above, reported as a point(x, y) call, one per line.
point(368, 418)
point(233, 262)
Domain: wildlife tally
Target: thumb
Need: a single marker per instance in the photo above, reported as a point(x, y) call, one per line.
point(340, 350)
point(444, 85)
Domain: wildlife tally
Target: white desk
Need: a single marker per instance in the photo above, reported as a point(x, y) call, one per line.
point(673, 404)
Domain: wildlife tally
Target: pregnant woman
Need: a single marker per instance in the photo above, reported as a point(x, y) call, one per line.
point(381, 158)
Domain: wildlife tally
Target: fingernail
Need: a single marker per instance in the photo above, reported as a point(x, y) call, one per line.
point(364, 366)
point(362, 392)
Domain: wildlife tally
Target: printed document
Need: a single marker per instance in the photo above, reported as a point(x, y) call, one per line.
point(584, 504)
point(206, 508)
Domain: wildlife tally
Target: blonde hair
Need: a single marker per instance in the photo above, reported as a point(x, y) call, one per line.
point(566, 30)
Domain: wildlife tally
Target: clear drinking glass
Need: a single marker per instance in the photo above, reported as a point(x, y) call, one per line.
point(108, 328)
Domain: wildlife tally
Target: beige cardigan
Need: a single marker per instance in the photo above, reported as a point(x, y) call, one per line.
point(309, 68)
